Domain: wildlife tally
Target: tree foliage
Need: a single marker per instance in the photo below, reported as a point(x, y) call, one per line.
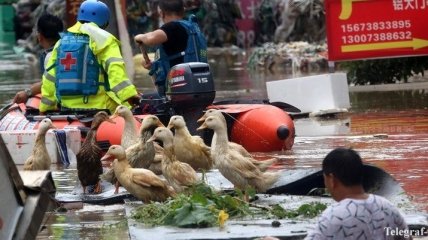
point(380, 71)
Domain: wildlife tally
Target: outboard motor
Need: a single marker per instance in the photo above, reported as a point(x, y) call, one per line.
point(190, 89)
point(190, 85)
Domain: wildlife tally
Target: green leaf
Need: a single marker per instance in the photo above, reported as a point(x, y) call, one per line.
point(194, 215)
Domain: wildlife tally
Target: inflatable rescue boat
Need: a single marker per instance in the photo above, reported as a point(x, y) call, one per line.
point(259, 126)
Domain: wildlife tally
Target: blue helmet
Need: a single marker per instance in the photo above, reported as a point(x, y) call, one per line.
point(94, 11)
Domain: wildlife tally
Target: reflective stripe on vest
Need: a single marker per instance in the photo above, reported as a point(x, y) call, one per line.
point(47, 101)
point(121, 86)
point(111, 60)
point(49, 77)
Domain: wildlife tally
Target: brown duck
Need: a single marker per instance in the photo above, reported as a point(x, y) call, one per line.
point(89, 167)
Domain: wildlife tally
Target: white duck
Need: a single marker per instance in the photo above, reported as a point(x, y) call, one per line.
point(130, 133)
point(140, 182)
point(39, 158)
point(238, 169)
point(189, 149)
point(179, 174)
point(262, 165)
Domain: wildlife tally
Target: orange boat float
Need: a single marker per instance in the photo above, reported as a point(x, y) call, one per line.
point(257, 126)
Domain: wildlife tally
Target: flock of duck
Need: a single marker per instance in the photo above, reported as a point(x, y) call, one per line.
point(138, 162)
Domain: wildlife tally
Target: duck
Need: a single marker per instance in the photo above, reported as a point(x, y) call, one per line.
point(129, 134)
point(233, 165)
point(188, 148)
point(156, 165)
point(141, 183)
point(262, 165)
point(39, 158)
point(89, 167)
point(179, 175)
point(142, 153)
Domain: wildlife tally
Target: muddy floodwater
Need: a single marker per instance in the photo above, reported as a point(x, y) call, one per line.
point(388, 128)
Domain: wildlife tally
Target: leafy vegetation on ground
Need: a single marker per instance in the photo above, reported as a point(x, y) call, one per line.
point(380, 71)
point(203, 207)
point(307, 210)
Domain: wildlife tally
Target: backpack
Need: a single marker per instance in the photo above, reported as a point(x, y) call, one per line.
point(196, 51)
point(77, 71)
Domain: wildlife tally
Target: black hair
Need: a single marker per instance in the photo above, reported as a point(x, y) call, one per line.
point(346, 165)
point(50, 26)
point(172, 6)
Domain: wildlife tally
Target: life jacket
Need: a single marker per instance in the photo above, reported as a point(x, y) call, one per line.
point(77, 68)
point(42, 59)
point(196, 51)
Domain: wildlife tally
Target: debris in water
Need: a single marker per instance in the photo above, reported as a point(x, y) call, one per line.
point(381, 135)
point(276, 224)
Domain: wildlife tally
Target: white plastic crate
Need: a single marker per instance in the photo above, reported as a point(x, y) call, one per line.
point(326, 92)
point(20, 143)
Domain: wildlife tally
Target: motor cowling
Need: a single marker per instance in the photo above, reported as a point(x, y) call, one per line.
point(190, 85)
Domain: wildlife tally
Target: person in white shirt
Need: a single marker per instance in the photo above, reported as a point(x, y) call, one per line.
point(357, 214)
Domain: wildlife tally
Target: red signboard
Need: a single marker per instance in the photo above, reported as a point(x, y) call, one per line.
point(361, 29)
point(246, 25)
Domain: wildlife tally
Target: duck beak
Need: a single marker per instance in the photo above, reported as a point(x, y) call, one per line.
point(53, 126)
point(157, 146)
point(203, 126)
point(160, 124)
point(114, 115)
point(110, 120)
point(202, 119)
point(151, 139)
point(107, 159)
point(170, 126)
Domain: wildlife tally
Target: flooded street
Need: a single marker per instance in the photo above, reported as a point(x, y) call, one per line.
point(395, 141)
point(389, 129)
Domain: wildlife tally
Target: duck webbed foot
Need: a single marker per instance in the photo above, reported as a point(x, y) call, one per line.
point(246, 197)
point(97, 188)
point(116, 189)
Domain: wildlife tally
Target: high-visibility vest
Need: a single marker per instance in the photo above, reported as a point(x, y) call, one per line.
point(106, 49)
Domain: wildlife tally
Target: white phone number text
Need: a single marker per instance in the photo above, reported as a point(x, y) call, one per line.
point(376, 26)
point(377, 37)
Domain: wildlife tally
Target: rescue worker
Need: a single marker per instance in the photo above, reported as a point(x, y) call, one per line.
point(48, 30)
point(86, 70)
point(171, 42)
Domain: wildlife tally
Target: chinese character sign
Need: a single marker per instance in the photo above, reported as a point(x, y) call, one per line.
point(246, 25)
point(361, 29)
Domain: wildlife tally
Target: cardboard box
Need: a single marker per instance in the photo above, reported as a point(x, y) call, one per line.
point(20, 143)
